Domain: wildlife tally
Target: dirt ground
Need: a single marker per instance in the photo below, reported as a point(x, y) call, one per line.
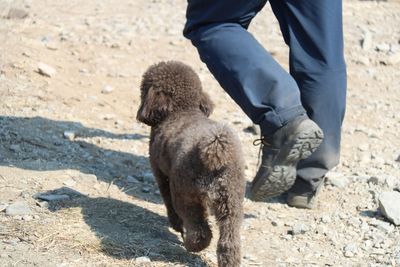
point(74, 135)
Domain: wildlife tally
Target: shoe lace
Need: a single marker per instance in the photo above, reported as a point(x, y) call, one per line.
point(260, 142)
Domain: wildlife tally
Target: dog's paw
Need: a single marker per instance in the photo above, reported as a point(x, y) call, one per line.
point(197, 239)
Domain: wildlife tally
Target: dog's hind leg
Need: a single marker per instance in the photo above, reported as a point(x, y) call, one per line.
point(197, 235)
point(229, 214)
point(163, 184)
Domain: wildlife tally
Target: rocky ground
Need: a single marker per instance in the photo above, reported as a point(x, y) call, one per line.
point(75, 183)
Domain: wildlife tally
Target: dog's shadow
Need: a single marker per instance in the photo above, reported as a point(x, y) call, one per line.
point(128, 231)
point(39, 144)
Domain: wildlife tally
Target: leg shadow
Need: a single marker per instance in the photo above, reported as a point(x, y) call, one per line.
point(128, 231)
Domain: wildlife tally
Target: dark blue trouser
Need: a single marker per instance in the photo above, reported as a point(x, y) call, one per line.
point(260, 86)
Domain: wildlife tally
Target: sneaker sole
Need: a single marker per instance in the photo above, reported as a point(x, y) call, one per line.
point(283, 171)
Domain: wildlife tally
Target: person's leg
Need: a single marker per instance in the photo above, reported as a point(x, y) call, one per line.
point(244, 69)
point(259, 85)
point(313, 31)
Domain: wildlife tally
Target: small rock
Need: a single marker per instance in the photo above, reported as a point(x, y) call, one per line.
point(107, 89)
point(378, 251)
point(383, 47)
point(18, 208)
point(15, 148)
point(53, 197)
point(276, 223)
point(142, 259)
point(392, 59)
point(384, 227)
point(146, 189)
point(337, 180)
point(27, 218)
point(363, 147)
point(350, 250)
point(326, 219)
point(52, 46)
point(46, 70)
point(148, 177)
point(366, 41)
point(373, 180)
point(392, 182)
point(69, 182)
point(70, 135)
point(16, 13)
point(298, 229)
point(3, 207)
point(131, 179)
point(389, 206)
point(354, 221)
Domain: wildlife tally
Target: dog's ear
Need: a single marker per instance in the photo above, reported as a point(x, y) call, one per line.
point(155, 106)
point(206, 105)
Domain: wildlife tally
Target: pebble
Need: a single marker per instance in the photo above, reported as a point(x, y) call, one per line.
point(16, 13)
point(107, 89)
point(146, 189)
point(383, 47)
point(276, 223)
point(337, 180)
point(366, 41)
point(18, 208)
point(384, 227)
point(15, 148)
point(350, 250)
point(3, 207)
point(27, 218)
point(46, 70)
point(298, 229)
point(148, 177)
point(69, 182)
point(53, 197)
point(142, 259)
point(70, 135)
point(389, 206)
point(391, 181)
point(326, 219)
point(131, 179)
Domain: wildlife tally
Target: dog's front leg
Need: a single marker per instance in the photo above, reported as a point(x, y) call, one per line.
point(163, 184)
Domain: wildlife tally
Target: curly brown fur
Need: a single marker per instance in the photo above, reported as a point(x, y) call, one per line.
point(197, 162)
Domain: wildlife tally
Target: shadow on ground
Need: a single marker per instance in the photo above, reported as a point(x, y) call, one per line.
point(128, 231)
point(38, 144)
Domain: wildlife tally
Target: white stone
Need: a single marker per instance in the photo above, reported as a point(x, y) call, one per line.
point(18, 208)
point(46, 70)
point(142, 259)
point(389, 205)
point(107, 89)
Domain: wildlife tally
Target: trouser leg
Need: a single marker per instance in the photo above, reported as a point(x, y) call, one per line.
point(313, 31)
point(244, 69)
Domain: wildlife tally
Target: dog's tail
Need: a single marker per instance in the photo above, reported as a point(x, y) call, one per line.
point(218, 148)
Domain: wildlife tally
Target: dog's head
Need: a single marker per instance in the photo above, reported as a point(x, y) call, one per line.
point(168, 87)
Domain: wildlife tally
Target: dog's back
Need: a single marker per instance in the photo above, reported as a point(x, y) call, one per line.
point(193, 151)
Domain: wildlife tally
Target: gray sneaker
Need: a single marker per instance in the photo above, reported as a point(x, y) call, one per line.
point(293, 142)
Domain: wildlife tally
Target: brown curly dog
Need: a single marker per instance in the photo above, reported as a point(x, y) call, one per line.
point(197, 162)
